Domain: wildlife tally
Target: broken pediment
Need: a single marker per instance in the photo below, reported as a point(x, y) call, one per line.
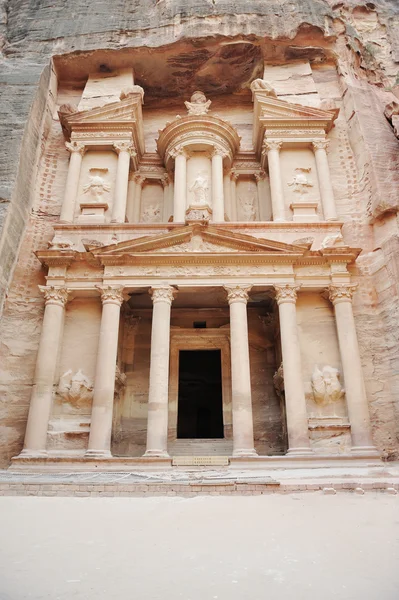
point(287, 121)
point(113, 121)
point(195, 239)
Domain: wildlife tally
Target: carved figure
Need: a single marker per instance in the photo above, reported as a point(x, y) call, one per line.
point(261, 84)
point(96, 186)
point(248, 208)
point(278, 381)
point(120, 381)
point(326, 385)
point(60, 243)
point(332, 240)
point(151, 214)
point(198, 104)
point(301, 183)
point(200, 189)
point(75, 388)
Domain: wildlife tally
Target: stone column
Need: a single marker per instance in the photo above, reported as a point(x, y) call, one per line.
point(272, 149)
point(131, 193)
point(104, 381)
point(217, 186)
point(166, 187)
point(180, 195)
point(233, 195)
point(324, 178)
point(158, 395)
point(260, 177)
point(295, 403)
point(139, 180)
point(124, 150)
point(243, 430)
point(227, 194)
point(77, 150)
point(46, 364)
point(356, 400)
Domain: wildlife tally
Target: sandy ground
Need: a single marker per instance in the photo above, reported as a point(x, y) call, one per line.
point(299, 546)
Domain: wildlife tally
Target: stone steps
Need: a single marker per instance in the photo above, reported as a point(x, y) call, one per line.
point(204, 447)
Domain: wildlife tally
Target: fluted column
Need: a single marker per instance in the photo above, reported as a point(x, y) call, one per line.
point(356, 400)
point(124, 151)
point(295, 403)
point(243, 430)
point(139, 180)
point(46, 364)
point(104, 382)
point(77, 150)
point(217, 186)
point(233, 195)
point(180, 191)
point(323, 173)
point(158, 395)
point(272, 149)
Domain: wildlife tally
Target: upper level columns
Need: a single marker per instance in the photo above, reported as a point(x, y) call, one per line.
point(124, 150)
point(243, 431)
point(325, 185)
point(295, 403)
point(359, 418)
point(46, 364)
point(104, 383)
point(180, 190)
point(77, 150)
point(272, 148)
point(217, 186)
point(158, 395)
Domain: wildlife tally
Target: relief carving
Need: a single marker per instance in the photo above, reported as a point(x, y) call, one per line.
point(248, 210)
point(97, 186)
point(198, 104)
point(278, 382)
point(200, 189)
point(301, 183)
point(326, 385)
point(151, 214)
point(75, 388)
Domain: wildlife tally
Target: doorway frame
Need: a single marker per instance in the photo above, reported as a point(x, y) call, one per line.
point(199, 339)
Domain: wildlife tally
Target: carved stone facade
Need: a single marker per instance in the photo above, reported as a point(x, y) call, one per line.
point(198, 224)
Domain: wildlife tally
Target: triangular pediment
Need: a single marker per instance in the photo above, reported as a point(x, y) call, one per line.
point(272, 108)
point(194, 240)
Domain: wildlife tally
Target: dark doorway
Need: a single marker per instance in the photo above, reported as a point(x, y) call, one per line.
point(200, 413)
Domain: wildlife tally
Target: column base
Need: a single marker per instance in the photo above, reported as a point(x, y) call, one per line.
point(299, 451)
point(245, 453)
point(156, 454)
point(365, 451)
point(98, 454)
point(27, 453)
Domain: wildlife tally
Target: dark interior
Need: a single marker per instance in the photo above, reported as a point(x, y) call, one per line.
point(200, 412)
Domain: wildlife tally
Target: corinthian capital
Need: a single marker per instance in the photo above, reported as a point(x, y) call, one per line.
point(237, 293)
point(54, 294)
point(178, 151)
point(218, 151)
point(110, 294)
point(341, 293)
point(76, 147)
point(286, 293)
point(125, 147)
point(269, 145)
point(164, 293)
point(321, 145)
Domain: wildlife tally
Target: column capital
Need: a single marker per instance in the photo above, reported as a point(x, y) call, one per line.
point(124, 147)
point(269, 145)
point(164, 293)
point(234, 176)
point(54, 295)
point(286, 293)
point(341, 293)
point(260, 176)
point(178, 151)
point(138, 179)
point(321, 144)
point(111, 294)
point(78, 147)
point(218, 151)
point(237, 293)
point(165, 180)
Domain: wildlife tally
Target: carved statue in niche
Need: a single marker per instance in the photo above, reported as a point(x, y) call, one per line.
point(248, 208)
point(301, 183)
point(75, 388)
point(200, 189)
point(97, 187)
point(198, 104)
point(151, 214)
point(326, 385)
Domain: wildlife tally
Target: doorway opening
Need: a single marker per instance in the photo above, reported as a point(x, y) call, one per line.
point(200, 409)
